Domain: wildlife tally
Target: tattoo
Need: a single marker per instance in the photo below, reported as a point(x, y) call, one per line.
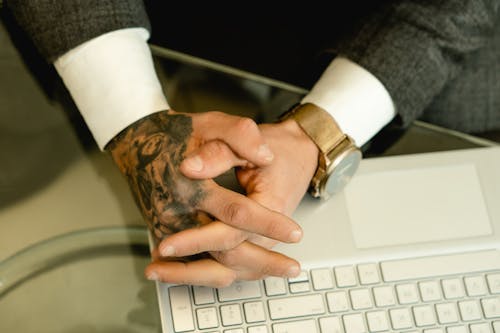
point(149, 153)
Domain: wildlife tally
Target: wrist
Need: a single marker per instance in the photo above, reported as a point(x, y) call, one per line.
point(338, 155)
point(148, 137)
point(308, 147)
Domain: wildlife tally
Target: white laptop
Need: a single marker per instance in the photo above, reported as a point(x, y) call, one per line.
point(411, 245)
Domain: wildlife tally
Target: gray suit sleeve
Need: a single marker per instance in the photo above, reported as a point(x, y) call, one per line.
point(56, 26)
point(415, 47)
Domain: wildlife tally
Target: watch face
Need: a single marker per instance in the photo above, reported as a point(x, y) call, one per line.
point(342, 172)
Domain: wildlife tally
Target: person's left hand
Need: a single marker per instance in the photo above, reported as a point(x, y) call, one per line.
point(279, 186)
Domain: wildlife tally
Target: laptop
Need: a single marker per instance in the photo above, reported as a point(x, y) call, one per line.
point(411, 245)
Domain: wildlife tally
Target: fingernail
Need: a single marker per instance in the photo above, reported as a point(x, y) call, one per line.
point(153, 276)
point(296, 235)
point(265, 153)
point(168, 251)
point(293, 271)
point(194, 163)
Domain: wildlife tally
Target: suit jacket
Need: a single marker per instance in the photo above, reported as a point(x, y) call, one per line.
point(439, 59)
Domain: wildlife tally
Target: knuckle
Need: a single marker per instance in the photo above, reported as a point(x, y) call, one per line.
point(246, 125)
point(272, 229)
point(267, 269)
point(211, 114)
point(228, 258)
point(215, 149)
point(236, 214)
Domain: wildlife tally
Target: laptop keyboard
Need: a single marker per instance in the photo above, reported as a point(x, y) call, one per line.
point(431, 295)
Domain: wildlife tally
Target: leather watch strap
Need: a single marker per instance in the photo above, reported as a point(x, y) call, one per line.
point(318, 124)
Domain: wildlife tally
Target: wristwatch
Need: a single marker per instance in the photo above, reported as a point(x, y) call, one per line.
point(339, 156)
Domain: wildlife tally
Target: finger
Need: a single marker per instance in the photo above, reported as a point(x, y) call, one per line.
point(210, 160)
point(243, 213)
point(215, 236)
point(279, 200)
point(240, 133)
point(273, 202)
point(252, 262)
point(203, 272)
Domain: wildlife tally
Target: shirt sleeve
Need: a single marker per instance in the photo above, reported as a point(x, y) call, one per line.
point(357, 100)
point(113, 82)
point(416, 48)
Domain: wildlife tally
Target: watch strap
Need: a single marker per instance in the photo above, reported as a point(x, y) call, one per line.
point(318, 124)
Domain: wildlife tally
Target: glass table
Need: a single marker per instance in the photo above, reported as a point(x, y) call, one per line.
point(73, 249)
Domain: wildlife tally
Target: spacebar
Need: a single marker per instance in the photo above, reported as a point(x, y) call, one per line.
point(422, 267)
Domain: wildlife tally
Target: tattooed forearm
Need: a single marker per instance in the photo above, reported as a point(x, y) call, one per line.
point(149, 153)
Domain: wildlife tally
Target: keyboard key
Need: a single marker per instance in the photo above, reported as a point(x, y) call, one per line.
point(300, 326)
point(368, 274)
point(182, 312)
point(345, 276)
point(377, 321)
point(425, 267)
point(491, 307)
point(434, 330)
point(447, 313)
point(239, 290)
point(322, 278)
point(203, 295)
point(254, 312)
point(235, 330)
point(475, 285)
point(469, 310)
point(452, 288)
point(494, 283)
point(258, 329)
point(275, 286)
point(480, 328)
point(360, 299)
point(424, 315)
point(456, 329)
point(207, 318)
point(401, 318)
point(231, 315)
point(496, 326)
point(384, 296)
point(354, 323)
point(407, 293)
point(296, 306)
point(337, 301)
point(299, 287)
point(430, 291)
point(330, 325)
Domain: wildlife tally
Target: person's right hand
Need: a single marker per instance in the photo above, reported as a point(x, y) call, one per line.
point(149, 154)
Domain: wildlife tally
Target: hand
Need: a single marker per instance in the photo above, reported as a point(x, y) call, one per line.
point(149, 154)
point(279, 186)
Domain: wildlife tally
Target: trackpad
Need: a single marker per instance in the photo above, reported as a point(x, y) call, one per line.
point(419, 205)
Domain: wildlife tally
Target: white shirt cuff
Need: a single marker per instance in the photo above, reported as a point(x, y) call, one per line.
point(112, 81)
point(355, 98)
